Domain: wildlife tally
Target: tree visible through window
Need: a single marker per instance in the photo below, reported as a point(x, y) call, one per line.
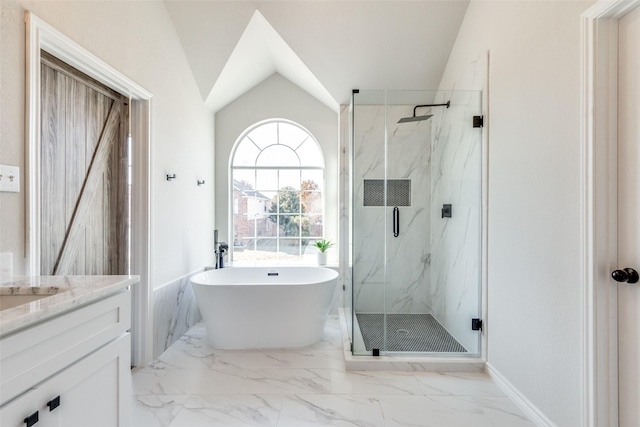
point(277, 171)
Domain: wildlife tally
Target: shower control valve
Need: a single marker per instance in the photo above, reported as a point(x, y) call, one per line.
point(446, 211)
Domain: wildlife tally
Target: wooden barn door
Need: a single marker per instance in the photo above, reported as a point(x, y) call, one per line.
point(85, 196)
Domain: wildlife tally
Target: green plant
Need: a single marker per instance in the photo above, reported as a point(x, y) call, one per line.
point(323, 245)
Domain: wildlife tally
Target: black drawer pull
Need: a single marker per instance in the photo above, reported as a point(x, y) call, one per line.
point(53, 403)
point(31, 419)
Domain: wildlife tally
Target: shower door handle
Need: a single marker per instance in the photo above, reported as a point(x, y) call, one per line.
point(396, 222)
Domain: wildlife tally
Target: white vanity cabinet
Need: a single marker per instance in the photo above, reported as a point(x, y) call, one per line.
point(72, 370)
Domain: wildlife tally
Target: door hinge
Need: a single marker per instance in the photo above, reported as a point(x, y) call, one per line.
point(478, 121)
point(476, 324)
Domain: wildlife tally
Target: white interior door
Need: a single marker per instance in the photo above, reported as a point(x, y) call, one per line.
point(628, 217)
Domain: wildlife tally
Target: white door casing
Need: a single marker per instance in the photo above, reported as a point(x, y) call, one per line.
point(628, 215)
point(599, 108)
point(42, 36)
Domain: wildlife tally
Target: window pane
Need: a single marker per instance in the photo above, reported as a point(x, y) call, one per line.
point(288, 201)
point(237, 202)
point(289, 225)
point(311, 201)
point(310, 154)
point(312, 179)
point(291, 135)
point(312, 226)
point(289, 178)
point(277, 211)
point(266, 249)
point(289, 249)
point(245, 177)
point(278, 155)
point(266, 226)
point(265, 135)
point(305, 224)
point(243, 227)
point(244, 249)
point(308, 250)
point(267, 180)
point(240, 195)
point(246, 154)
point(271, 202)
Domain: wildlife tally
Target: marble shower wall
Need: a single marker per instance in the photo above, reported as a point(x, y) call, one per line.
point(175, 311)
point(457, 180)
point(407, 256)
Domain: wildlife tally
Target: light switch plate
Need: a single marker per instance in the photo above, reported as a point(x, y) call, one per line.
point(10, 178)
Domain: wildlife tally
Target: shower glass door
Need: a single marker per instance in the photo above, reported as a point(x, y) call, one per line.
point(370, 225)
point(416, 169)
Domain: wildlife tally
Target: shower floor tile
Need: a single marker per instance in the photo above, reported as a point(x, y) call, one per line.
point(407, 332)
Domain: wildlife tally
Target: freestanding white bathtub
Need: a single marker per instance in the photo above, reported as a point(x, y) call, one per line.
point(262, 307)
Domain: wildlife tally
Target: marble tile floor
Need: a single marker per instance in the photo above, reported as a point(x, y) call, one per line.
point(193, 384)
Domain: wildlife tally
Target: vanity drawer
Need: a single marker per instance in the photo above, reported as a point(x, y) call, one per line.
point(32, 355)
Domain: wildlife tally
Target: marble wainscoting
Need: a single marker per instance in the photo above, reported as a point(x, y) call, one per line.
point(175, 311)
point(457, 180)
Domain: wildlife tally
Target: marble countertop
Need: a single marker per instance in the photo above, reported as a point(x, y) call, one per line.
point(64, 293)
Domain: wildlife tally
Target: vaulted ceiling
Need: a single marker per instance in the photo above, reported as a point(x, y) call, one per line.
point(327, 48)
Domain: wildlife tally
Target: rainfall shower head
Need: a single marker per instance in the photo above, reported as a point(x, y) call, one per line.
point(415, 118)
point(428, 116)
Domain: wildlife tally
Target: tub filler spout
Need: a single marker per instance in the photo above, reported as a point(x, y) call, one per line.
point(221, 250)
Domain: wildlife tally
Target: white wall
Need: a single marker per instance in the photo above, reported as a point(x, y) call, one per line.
point(534, 323)
point(138, 39)
point(277, 97)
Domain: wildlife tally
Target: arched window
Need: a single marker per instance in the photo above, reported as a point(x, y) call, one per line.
point(277, 180)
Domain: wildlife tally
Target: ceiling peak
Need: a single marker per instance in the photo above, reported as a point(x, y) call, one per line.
point(259, 53)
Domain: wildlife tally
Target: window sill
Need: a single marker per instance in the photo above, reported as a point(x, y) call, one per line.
point(271, 263)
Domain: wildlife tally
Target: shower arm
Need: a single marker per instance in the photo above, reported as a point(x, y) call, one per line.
point(448, 104)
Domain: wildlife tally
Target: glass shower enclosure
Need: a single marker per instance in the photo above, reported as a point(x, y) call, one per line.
point(415, 222)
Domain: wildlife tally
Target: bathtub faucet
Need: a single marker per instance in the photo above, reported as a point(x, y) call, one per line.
point(221, 250)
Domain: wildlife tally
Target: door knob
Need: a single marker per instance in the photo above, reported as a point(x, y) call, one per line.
point(628, 275)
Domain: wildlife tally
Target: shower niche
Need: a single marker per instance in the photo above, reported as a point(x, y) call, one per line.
point(414, 282)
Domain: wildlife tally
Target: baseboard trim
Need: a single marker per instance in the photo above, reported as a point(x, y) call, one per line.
point(535, 415)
